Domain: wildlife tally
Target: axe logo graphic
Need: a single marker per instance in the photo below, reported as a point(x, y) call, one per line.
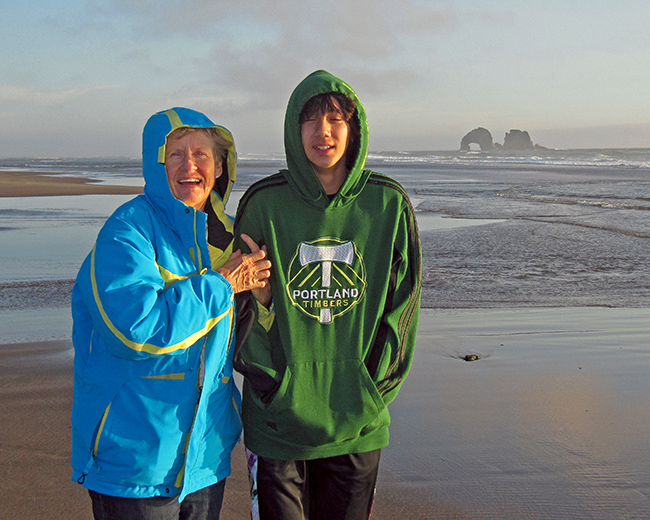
point(326, 278)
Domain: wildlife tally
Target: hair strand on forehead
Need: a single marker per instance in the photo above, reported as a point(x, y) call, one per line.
point(336, 102)
point(328, 102)
point(220, 144)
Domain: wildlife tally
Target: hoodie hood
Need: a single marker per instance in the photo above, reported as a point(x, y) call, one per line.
point(300, 174)
point(154, 138)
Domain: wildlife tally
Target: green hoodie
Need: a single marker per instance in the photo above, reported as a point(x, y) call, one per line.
point(346, 283)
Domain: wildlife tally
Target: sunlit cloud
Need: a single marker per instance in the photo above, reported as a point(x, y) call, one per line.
point(14, 94)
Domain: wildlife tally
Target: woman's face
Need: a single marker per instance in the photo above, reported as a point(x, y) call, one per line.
point(190, 167)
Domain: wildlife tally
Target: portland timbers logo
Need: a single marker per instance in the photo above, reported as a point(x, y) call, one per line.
point(326, 278)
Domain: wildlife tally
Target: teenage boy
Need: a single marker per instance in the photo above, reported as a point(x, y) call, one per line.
point(338, 339)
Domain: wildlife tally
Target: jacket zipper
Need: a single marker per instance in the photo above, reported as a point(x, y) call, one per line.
point(95, 445)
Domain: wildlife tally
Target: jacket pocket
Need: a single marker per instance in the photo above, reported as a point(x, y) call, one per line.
point(140, 437)
point(321, 403)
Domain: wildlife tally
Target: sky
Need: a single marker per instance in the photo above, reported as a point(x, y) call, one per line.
point(80, 78)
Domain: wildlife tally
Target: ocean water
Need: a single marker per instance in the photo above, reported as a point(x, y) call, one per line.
point(548, 228)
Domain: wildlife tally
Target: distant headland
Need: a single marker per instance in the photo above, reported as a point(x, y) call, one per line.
point(514, 140)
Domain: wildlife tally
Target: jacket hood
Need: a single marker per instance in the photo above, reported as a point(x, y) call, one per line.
point(300, 174)
point(154, 137)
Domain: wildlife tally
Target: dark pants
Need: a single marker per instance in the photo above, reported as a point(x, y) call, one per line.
point(333, 488)
point(204, 504)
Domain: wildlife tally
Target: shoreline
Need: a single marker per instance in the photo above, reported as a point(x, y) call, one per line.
point(49, 184)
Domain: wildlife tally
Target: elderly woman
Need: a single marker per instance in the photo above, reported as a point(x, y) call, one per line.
point(156, 413)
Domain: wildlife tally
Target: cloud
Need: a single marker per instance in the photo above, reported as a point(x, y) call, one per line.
point(282, 42)
point(10, 94)
point(366, 18)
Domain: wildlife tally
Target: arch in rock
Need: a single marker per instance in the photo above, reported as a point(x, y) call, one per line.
point(480, 136)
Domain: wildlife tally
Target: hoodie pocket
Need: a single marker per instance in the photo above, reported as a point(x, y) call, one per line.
point(323, 403)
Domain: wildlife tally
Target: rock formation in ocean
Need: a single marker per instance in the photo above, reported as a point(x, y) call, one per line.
point(480, 136)
point(518, 140)
point(514, 140)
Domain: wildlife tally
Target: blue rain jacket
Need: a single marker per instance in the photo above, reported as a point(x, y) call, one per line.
point(155, 410)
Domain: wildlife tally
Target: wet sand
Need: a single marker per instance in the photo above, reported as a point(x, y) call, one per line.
point(550, 423)
point(31, 184)
point(35, 403)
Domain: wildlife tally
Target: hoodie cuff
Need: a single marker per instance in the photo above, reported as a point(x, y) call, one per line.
point(265, 316)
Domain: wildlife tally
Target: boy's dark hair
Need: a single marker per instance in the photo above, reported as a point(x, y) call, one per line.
point(337, 102)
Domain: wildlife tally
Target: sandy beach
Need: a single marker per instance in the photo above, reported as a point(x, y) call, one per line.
point(39, 184)
point(35, 403)
point(551, 422)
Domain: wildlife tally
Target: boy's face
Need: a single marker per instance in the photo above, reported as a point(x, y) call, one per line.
point(325, 141)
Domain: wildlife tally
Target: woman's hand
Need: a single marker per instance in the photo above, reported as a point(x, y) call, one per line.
point(249, 271)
